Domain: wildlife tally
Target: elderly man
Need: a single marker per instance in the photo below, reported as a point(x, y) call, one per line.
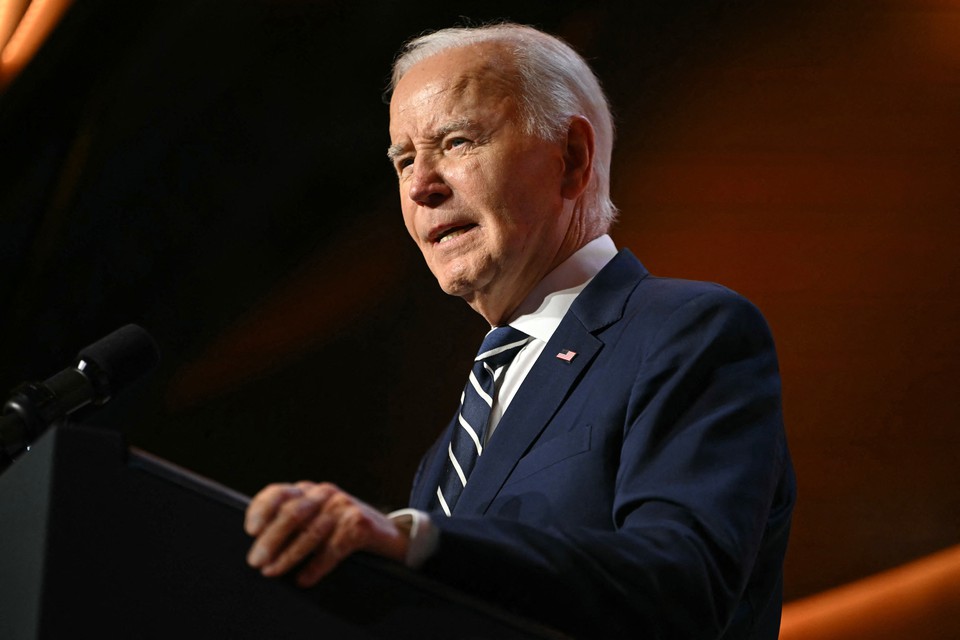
point(618, 465)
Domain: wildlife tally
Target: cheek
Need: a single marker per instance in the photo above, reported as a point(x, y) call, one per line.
point(519, 187)
point(464, 179)
point(408, 212)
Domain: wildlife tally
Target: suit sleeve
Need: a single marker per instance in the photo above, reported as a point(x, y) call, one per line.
point(702, 497)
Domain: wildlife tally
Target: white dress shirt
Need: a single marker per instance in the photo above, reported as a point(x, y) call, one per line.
point(540, 314)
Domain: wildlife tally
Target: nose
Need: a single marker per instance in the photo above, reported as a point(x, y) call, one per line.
point(427, 186)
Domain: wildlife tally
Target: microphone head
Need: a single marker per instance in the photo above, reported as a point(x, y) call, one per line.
point(114, 361)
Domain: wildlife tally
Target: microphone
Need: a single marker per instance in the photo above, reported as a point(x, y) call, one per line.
point(99, 372)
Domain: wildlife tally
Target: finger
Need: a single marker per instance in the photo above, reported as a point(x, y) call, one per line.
point(319, 566)
point(311, 539)
point(279, 538)
point(358, 527)
point(263, 508)
point(289, 518)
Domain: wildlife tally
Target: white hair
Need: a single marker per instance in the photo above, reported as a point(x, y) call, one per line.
point(555, 84)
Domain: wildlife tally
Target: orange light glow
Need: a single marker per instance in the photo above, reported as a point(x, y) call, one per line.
point(11, 11)
point(24, 25)
point(917, 600)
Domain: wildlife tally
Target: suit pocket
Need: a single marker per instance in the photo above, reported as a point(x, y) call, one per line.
point(555, 450)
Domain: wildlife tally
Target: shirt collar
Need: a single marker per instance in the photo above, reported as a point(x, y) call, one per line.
point(540, 313)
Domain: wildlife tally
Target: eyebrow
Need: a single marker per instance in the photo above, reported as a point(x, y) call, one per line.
point(396, 150)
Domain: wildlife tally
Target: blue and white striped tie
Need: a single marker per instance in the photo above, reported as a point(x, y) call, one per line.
point(497, 351)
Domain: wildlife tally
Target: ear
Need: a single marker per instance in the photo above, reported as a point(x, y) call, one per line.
point(577, 158)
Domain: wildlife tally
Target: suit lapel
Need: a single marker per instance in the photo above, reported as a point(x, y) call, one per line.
point(551, 380)
point(537, 400)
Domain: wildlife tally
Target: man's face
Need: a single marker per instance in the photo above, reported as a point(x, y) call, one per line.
point(481, 198)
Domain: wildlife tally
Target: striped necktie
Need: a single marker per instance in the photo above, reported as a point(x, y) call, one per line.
point(466, 445)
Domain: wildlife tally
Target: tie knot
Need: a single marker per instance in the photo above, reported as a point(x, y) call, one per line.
point(500, 345)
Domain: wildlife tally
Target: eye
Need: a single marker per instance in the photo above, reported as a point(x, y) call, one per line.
point(453, 143)
point(403, 163)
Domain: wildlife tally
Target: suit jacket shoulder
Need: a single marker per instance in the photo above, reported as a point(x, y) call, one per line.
point(645, 481)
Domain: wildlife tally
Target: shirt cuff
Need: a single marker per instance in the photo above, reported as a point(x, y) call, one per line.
point(423, 535)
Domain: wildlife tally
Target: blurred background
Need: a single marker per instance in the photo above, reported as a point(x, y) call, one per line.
point(214, 170)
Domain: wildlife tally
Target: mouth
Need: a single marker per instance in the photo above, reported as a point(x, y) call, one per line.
point(446, 235)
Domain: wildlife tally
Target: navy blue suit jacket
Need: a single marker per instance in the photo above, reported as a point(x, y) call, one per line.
point(642, 489)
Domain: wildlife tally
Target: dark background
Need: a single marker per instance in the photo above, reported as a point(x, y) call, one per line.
point(214, 170)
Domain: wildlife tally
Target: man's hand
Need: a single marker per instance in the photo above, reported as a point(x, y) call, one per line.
point(292, 522)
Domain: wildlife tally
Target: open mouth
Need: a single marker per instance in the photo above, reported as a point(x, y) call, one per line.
point(453, 232)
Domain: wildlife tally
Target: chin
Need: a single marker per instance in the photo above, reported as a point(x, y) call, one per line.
point(455, 288)
point(454, 279)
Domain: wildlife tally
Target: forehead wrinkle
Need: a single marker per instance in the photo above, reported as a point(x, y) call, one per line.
point(397, 149)
point(493, 74)
point(457, 124)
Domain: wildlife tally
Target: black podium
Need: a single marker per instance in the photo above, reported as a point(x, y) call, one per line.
point(98, 540)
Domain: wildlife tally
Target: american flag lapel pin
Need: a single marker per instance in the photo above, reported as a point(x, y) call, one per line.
point(567, 355)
